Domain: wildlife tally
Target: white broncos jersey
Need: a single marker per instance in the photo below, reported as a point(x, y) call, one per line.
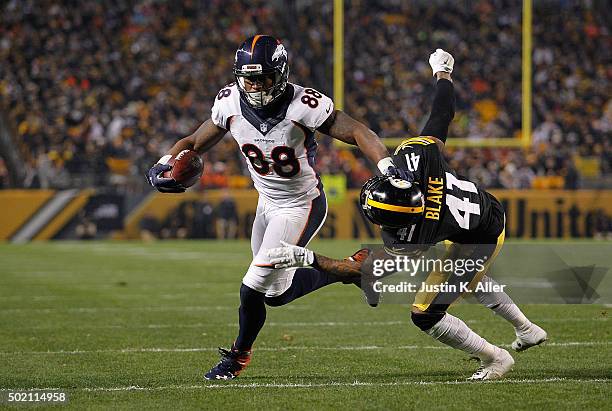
point(279, 150)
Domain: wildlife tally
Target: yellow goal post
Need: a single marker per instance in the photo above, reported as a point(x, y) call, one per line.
point(524, 140)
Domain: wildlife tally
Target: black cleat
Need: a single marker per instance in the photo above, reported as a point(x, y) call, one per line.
point(231, 365)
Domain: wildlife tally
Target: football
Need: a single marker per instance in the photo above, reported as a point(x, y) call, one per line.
point(187, 168)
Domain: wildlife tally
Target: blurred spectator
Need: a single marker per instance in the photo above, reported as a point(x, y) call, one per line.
point(4, 176)
point(571, 176)
point(203, 220)
point(126, 79)
point(391, 87)
point(99, 91)
point(149, 227)
point(177, 224)
point(214, 176)
point(85, 228)
point(602, 226)
point(227, 218)
point(191, 219)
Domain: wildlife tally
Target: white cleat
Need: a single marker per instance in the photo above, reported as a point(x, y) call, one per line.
point(529, 337)
point(494, 368)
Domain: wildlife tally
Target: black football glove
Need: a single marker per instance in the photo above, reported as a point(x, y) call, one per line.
point(396, 172)
point(162, 184)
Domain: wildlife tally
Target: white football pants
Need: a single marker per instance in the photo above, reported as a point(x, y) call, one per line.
point(273, 223)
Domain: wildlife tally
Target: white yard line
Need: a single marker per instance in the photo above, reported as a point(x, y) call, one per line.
point(76, 310)
point(115, 296)
point(105, 286)
point(407, 322)
point(202, 325)
point(231, 385)
point(288, 348)
point(293, 324)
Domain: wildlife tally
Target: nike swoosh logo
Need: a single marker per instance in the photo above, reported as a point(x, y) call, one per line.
point(328, 109)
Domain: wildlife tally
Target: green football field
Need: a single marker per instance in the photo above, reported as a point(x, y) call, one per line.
point(134, 325)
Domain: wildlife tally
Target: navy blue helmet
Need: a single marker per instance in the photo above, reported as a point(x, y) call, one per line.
point(261, 70)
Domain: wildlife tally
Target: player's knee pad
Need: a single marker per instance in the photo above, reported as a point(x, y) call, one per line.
point(258, 278)
point(267, 280)
point(425, 320)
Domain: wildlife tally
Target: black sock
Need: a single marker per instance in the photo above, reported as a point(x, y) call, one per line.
point(305, 281)
point(251, 317)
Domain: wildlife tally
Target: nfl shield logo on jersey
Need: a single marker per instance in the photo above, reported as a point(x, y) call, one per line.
point(263, 127)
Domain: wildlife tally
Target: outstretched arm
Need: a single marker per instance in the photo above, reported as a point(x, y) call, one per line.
point(290, 255)
point(362, 263)
point(343, 127)
point(443, 108)
point(341, 268)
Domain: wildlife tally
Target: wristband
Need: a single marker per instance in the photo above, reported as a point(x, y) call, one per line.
point(384, 164)
point(164, 159)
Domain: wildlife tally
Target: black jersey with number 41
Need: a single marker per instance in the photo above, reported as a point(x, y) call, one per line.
point(455, 209)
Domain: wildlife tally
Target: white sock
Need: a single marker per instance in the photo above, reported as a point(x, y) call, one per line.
point(453, 332)
point(502, 305)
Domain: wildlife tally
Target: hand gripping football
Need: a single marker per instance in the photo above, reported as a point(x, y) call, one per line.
point(187, 168)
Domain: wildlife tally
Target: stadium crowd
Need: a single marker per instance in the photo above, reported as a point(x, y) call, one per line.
point(97, 91)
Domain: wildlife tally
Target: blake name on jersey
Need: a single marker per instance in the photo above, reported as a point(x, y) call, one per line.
point(278, 143)
point(455, 208)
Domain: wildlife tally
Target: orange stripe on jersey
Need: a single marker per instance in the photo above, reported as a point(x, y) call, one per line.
point(264, 265)
point(253, 43)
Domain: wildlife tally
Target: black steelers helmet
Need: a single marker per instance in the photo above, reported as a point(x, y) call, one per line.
point(391, 202)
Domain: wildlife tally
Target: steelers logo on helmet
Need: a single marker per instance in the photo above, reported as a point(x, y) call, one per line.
point(391, 202)
point(399, 183)
point(261, 69)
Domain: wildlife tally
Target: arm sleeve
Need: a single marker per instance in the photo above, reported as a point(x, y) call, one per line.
point(442, 111)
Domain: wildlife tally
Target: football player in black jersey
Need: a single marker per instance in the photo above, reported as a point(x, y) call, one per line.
point(433, 206)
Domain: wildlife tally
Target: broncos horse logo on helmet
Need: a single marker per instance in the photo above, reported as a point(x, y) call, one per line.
point(391, 202)
point(261, 69)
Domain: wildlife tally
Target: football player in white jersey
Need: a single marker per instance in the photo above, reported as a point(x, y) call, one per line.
point(274, 123)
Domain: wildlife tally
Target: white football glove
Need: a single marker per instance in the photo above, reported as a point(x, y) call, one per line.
point(290, 256)
point(441, 60)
